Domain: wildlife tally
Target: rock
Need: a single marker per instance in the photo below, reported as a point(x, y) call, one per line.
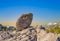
point(24, 21)
point(24, 32)
point(58, 39)
point(28, 34)
point(5, 35)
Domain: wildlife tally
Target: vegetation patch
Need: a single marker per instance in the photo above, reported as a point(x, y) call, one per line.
point(55, 29)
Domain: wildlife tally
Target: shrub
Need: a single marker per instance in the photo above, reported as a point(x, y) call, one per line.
point(55, 29)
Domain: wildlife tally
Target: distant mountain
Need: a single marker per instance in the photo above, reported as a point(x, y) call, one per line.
point(52, 24)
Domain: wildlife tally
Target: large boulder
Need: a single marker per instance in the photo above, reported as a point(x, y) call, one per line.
point(24, 21)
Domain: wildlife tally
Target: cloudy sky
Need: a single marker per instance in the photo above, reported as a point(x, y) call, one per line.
point(44, 11)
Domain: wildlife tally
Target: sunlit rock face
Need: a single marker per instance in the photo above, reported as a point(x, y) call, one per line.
point(28, 34)
point(24, 21)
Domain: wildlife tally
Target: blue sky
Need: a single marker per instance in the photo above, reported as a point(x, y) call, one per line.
point(44, 11)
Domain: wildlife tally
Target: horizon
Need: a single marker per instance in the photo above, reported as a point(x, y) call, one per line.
point(44, 11)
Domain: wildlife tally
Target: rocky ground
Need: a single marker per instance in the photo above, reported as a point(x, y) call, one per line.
point(24, 35)
point(42, 35)
point(28, 34)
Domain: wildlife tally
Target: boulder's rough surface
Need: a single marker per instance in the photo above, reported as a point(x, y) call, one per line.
point(28, 34)
point(42, 35)
point(24, 21)
point(5, 35)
